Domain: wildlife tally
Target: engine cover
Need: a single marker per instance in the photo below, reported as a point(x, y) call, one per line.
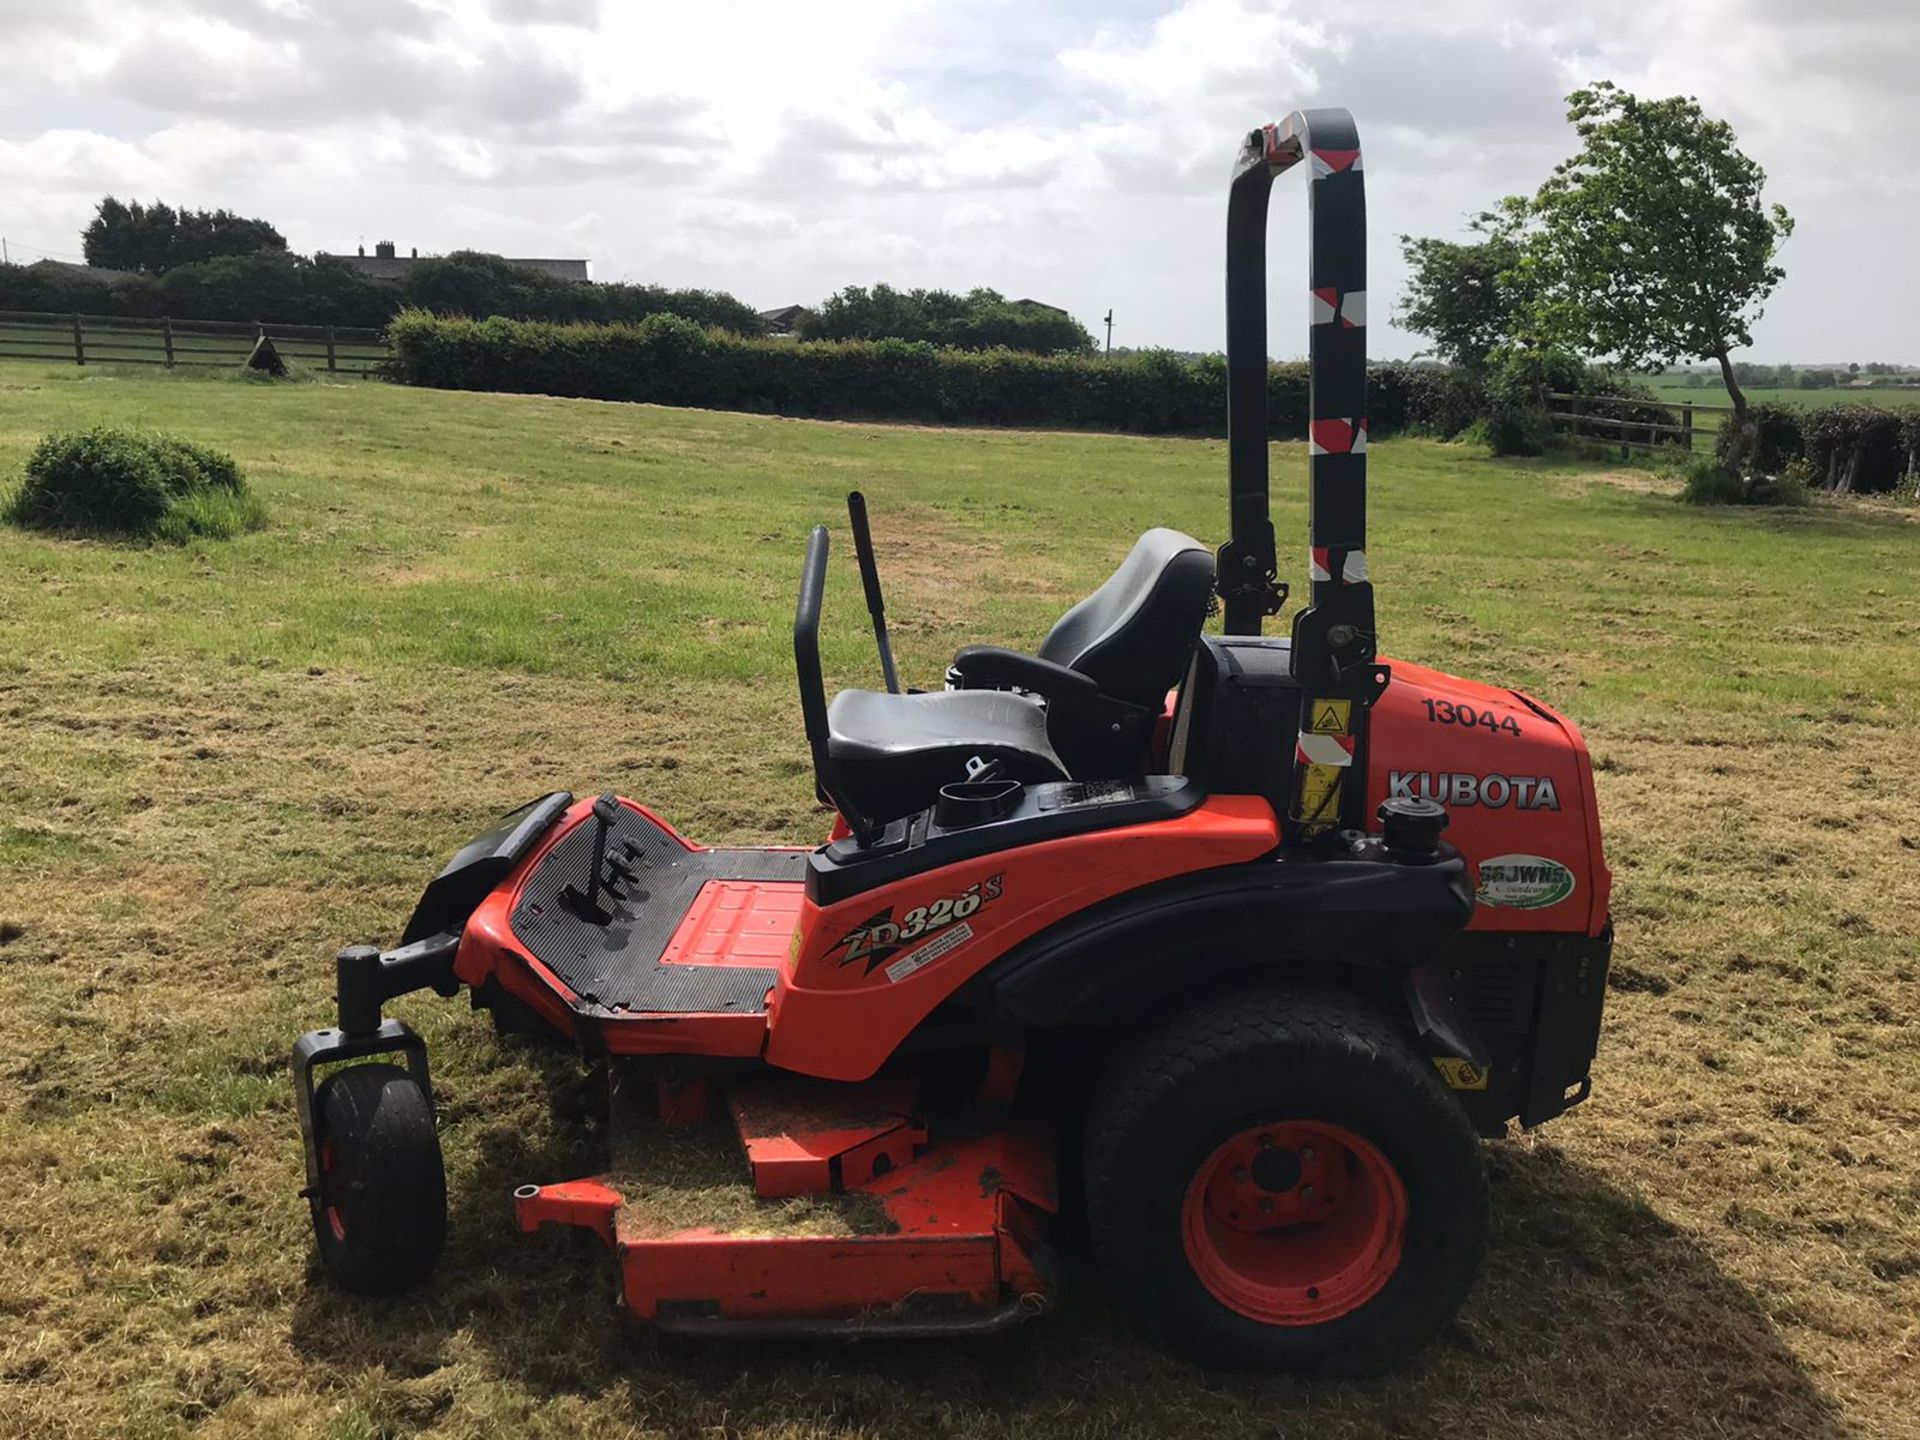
point(1518, 785)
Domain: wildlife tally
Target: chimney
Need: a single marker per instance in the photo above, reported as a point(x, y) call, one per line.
point(384, 249)
point(416, 253)
point(361, 252)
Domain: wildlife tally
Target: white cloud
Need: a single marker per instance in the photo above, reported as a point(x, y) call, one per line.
point(1076, 151)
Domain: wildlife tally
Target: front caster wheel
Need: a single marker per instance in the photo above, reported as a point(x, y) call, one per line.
point(1276, 1180)
point(380, 1213)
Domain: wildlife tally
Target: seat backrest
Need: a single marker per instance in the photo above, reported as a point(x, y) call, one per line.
point(1134, 633)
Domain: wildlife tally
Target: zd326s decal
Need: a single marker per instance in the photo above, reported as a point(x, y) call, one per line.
point(879, 936)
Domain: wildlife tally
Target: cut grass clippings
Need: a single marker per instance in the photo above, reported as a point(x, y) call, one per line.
point(219, 763)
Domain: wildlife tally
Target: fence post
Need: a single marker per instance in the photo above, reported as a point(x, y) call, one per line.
point(79, 344)
point(166, 334)
point(1686, 428)
point(330, 365)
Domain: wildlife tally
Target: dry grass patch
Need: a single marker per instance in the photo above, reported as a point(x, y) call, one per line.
point(216, 768)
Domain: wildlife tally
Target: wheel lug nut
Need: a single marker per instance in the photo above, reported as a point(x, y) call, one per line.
point(1266, 1142)
point(1306, 1192)
point(1240, 1176)
point(1266, 1207)
point(1306, 1152)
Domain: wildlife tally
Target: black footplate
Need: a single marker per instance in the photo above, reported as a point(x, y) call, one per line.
point(605, 941)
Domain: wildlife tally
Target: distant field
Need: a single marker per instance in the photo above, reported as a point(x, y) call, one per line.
point(219, 763)
point(1675, 389)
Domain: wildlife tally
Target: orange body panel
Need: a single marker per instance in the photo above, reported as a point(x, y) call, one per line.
point(738, 922)
point(960, 1222)
point(871, 968)
point(839, 1020)
point(1517, 784)
point(749, 910)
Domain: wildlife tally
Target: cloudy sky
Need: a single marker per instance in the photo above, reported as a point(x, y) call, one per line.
point(1071, 150)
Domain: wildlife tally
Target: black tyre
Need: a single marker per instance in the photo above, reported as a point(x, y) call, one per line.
point(1275, 1180)
point(380, 1216)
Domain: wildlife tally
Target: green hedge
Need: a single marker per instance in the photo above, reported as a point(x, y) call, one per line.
point(1859, 448)
point(669, 361)
point(1781, 439)
point(288, 289)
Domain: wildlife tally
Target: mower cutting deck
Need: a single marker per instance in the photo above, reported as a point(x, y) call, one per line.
point(1262, 933)
point(843, 1219)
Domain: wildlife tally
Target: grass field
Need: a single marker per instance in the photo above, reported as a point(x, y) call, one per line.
point(1674, 389)
point(217, 764)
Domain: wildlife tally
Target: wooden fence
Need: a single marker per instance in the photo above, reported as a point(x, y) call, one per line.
point(1633, 431)
point(127, 340)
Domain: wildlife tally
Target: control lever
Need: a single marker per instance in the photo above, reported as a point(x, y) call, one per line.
point(605, 811)
point(870, 581)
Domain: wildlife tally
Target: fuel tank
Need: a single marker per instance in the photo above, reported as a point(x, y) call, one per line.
point(1517, 782)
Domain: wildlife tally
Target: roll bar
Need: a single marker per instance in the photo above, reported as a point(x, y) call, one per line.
point(1336, 368)
point(1334, 644)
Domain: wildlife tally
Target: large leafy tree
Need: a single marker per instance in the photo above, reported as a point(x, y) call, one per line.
point(978, 320)
point(153, 239)
point(1463, 296)
point(1652, 244)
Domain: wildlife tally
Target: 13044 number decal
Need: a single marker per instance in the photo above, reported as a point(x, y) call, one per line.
point(1445, 712)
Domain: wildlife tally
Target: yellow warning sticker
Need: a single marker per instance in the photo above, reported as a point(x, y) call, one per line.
point(1331, 717)
point(1319, 793)
point(1460, 1074)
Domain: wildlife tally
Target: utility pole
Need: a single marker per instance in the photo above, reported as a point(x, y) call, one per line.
point(5, 259)
point(1109, 330)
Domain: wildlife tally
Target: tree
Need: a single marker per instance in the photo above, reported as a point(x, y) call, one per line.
point(1462, 296)
point(1652, 244)
point(979, 320)
point(153, 239)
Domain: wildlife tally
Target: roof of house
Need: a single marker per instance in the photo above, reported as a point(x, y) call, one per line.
point(393, 267)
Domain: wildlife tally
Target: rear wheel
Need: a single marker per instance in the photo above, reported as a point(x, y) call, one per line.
point(380, 1214)
point(1276, 1180)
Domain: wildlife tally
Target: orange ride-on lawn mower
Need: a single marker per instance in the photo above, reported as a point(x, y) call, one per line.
point(1225, 948)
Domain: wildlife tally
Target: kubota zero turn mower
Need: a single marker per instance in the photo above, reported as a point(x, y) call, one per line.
point(1225, 949)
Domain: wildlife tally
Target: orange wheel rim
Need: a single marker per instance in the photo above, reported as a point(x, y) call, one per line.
point(336, 1222)
point(1294, 1223)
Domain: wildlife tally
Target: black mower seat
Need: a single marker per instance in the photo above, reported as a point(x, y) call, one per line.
point(1088, 704)
point(1134, 634)
point(892, 753)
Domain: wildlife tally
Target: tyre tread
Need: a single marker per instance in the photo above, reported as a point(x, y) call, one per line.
point(1228, 1030)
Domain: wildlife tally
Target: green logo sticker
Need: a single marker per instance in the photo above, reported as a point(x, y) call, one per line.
point(1523, 882)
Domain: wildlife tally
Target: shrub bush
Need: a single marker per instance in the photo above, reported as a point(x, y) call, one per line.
point(1910, 441)
point(1442, 401)
point(670, 361)
point(1861, 449)
point(1789, 487)
point(1708, 482)
point(285, 289)
point(1778, 438)
point(1518, 421)
point(131, 484)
